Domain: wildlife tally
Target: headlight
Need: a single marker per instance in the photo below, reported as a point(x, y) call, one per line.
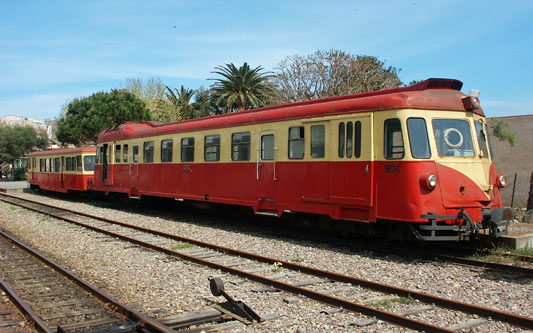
point(428, 181)
point(432, 181)
point(501, 181)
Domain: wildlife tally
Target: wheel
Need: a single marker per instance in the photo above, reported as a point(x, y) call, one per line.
point(217, 286)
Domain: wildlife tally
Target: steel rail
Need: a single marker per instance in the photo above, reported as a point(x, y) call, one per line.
point(324, 298)
point(24, 309)
point(443, 302)
point(144, 322)
point(491, 265)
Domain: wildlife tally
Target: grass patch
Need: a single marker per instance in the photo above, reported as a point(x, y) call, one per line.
point(182, 246)
point(388, 303)
point(24, 232)
point(276, 267)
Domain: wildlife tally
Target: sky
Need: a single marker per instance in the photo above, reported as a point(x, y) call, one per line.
point(54, 51)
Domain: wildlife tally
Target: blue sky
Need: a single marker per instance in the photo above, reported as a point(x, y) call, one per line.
point(54, 51)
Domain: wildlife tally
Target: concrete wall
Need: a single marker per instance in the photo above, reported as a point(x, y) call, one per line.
point(518, 159)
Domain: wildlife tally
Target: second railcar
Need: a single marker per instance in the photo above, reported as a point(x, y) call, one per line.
point(62, 170)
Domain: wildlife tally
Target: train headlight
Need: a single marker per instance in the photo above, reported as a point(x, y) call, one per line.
point(429, 181)
point(432, 181)
point(501, 181)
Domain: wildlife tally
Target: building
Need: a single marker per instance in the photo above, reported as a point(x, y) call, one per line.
point(515, 160)
point(12, 120)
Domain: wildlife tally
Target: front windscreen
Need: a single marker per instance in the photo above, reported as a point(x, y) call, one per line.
point(88, 162)
point(453, 137)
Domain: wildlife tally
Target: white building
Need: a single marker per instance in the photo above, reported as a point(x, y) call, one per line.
point(12, 120)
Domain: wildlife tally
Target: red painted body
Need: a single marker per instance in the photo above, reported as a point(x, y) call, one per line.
point(61, 181)
point(354, 190)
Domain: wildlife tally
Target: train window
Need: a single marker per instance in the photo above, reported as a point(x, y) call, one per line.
point(101, 155)
point(342, 135)
point(240, 146)
point(88, 162)
point(117, 153)
point(97, 155)
point(166, 150)
point(393, 140)
point(57, 165)
point(73, 164)
point(33, 163)
point(267, 147)
point(124, 154)
point(357, 139)
point(109, 153)
point(318, 141)
point(187, 150)
point(481, 140)
point(453, 137)
point(349, 139)
point(69, 164)
point(418, 138)
point(78, 163)
point(212, 148)
point(46, 164)
point(135, 154)
point(148, 152)
point(296, 142)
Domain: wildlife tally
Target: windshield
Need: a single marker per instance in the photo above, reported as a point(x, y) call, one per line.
point(88, 162)
point(453, 137)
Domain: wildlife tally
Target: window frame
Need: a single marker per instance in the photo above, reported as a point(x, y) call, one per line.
point(187, 149)
point(320, 144)
point(237, 147)
point(388, 138)
point(166, 153)
point(148, 153)
point(411, 142)
point(300, 141)
point(215, 145)
point(118, 153)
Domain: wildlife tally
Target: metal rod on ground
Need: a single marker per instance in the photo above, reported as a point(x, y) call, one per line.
point(530, 197)
point(514, 186)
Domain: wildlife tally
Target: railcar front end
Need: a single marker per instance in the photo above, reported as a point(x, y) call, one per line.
point(437, 174)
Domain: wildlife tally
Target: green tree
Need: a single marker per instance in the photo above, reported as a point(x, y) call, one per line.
point(152, 92)
point(499, 129)
point(86, 117)
point(180, 100)
point(204, 105)
point(331, 73)
point(240, 88)
point(18, 141)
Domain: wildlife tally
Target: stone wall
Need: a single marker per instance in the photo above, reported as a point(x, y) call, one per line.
point(518, 159)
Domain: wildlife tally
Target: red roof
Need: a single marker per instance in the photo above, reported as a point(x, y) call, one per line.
point(431, 94)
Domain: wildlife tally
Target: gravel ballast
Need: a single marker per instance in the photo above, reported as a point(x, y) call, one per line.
point(150, 281)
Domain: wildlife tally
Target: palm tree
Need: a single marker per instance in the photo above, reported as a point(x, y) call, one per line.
point(181, 101)
point(241, 88)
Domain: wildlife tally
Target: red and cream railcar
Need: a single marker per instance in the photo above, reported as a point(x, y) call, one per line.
point(416, 154)
point(62, 170)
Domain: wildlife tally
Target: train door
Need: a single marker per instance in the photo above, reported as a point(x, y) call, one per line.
point(266, 174)
point(134, 169)
point(107, 165)
point(103, 156)
point(362, 172)
point(62, 170)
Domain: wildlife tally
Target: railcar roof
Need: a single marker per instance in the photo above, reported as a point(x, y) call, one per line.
point(431, 94)
point(64, 151)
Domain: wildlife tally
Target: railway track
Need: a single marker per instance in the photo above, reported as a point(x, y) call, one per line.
point(51, 297)
point(323, 286)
